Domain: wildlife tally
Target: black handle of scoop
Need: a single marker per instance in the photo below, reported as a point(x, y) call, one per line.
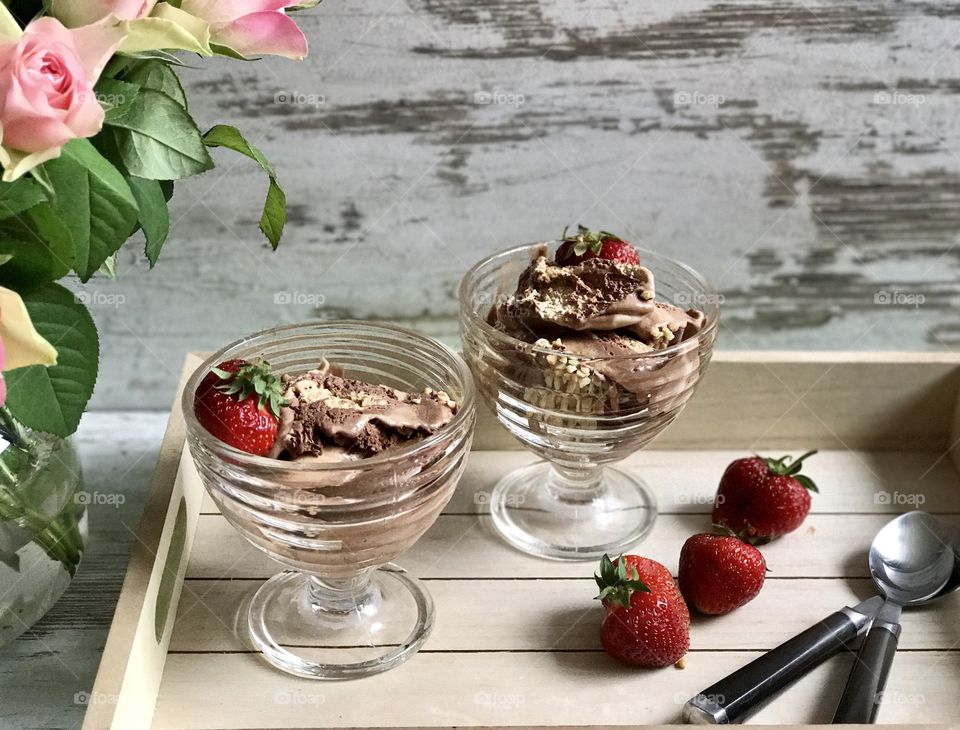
point(739, 695)
point(861, 697)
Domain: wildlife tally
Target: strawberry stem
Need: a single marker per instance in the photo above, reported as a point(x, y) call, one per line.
point(585, 240)
point(253, 380)
point(786, 466)
point(617, 582)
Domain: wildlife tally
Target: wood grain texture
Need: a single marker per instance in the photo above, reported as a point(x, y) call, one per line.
point(136, 640)
point(506, 689)
point(805, 157)
point(516, 644)
point(485, 615)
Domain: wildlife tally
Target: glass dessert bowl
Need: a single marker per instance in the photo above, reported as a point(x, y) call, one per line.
point(584, 364)
point(337, 515)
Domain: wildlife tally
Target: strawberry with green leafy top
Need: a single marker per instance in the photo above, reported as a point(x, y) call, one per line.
point(647, 622)
point(239, 403)
point(760, 499)
point(587, 244)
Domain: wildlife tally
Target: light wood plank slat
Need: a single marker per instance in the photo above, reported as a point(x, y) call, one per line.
point(474, 615)
point(240, 691)
point(685, 482)
point(826, 546)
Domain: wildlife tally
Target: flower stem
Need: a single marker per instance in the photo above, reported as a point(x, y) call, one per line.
point(59, 536)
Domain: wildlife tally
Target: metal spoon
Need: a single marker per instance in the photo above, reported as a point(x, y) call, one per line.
point(912, 562)
point(740, 694)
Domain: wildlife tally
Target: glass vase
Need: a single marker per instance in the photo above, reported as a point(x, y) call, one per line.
point(43, 524)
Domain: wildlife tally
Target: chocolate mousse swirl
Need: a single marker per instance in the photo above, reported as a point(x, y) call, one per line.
point(595, 295)
point(604, 313)
point(332, 418)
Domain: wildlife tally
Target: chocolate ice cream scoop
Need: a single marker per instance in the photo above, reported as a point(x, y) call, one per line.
point(604, 310)
point(596, 295)
point(666, 325)
point(654, 381)
point(332, 418)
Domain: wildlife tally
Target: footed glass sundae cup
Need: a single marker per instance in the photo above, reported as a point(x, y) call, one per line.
point(341, 609)
point(579, 411)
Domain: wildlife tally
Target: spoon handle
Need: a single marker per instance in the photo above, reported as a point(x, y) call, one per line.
point(742, 693)
point(861, 697)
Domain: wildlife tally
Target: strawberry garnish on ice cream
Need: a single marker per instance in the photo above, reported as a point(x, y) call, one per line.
point(239, 403)
point(587, 244)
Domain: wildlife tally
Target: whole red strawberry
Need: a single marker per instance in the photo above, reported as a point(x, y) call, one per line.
point(719, 573)
point(647, 623)
point(239, 403)
point(588, 245)
point(761, 499)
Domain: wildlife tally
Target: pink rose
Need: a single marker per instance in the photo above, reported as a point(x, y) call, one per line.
point(74, 13)
point(46, 89)
point(251, 27)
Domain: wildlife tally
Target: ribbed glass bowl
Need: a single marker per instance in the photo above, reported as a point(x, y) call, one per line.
point(335, 524)
point(567, 409)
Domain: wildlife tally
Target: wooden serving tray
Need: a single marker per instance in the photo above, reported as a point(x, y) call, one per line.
point(516, 640)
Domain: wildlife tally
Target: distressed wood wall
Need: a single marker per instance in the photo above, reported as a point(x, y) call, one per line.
point(805, 156)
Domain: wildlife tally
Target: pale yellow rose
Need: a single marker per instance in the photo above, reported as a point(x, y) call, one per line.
point(20, 343)
point(152, 25)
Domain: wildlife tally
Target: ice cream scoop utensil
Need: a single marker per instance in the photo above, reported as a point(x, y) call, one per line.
point(912, 562)
point(739, 695)
point(742, 693)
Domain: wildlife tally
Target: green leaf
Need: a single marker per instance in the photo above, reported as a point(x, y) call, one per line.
point(39, 175)
point(229, 52)
point(94, 202)
point(154, 215)
point(158, 140)
point(52, 399)
point(19, 196)
point(106, 144)
point(224, 135)
point(274, 216)
point(807, 483)
point(160, 77)
point(617, 582)
point(116, 97)
point(41, 247)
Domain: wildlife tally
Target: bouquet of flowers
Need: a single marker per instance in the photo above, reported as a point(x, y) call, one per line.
point(95, 130)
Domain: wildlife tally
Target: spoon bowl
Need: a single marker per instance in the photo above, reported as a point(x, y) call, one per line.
point(911, 559)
